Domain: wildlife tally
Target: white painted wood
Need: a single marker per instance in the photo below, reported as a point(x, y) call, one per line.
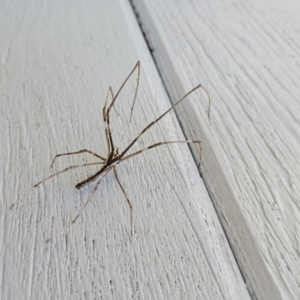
point(247, 56)
point(57, 61)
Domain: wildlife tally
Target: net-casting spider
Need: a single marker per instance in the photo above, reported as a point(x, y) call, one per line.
point(113, 156)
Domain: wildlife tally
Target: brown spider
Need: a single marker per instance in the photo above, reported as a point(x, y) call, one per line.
point(113, 156)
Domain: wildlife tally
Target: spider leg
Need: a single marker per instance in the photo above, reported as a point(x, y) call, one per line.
point(106, 109)
point(55, 174)
point(77, 152)
point(105, 114)
point(161, 116)
point(137, 66)
point(164, 143)
point(127, 199)
point(209, 102)
point(81, 209)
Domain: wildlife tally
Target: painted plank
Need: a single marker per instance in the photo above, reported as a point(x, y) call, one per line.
point(57, 61)
point(247, 56)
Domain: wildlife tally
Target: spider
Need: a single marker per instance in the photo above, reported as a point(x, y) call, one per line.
point(114, 156)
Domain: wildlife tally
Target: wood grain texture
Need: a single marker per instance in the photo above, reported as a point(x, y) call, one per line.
point(57, 61)
point(247, 56)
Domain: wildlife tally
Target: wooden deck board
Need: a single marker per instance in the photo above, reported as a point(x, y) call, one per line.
point(247, 56)
point(57, 61)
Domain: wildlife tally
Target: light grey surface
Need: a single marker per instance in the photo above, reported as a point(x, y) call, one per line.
point(247, 56)
point(57, 61)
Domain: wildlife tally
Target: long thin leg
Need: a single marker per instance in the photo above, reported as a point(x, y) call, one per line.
point(108, 136)
point(107, 111)
point(137, 66)
point(77, 152)
point(81, 209)
point(163, 143)
point(128, 201)
point(155, 121)
point(209, 102)
point(55, 174)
